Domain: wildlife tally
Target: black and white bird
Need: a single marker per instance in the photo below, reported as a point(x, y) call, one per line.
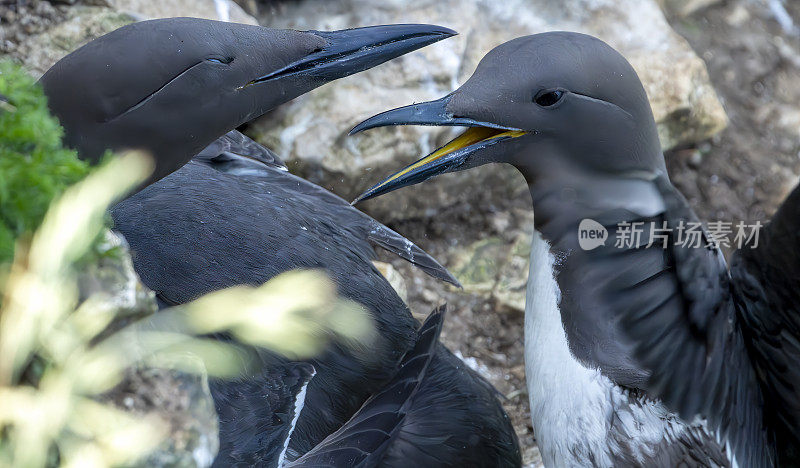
point(637, 353)
point(221, 210)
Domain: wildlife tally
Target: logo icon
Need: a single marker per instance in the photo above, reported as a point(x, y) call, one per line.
point(591, 234)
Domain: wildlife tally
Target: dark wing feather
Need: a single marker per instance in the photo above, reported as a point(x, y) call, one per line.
point(590, 321)
point(767, 285)
point(224, 220)
point(436, 412)
point(199, 230)
point(455, 420)
point(363, 440)
point(681, 444)
point(257, 415)
point(389, 240)
point(234, 153)
point(670, 308)
point(691, 337)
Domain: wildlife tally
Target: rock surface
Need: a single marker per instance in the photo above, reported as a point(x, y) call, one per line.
point(684, 8)
point(184, 403)
point(38, 33)
point(394, 278)
point(497, 267)
point(111, 274)
point(225, 10)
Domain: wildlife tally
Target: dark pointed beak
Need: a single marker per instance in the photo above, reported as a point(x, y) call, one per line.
point(351, 51)
point(454, 156)
point(432, 113)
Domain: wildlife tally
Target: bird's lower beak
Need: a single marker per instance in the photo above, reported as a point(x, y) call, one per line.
point(351, 51)
point(452, 157)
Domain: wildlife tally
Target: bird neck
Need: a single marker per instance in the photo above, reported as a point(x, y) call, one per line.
point(569, 402)
point(567, 194)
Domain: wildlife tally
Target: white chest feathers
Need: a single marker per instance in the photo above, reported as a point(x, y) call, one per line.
point(580, 417)
point(570, 404)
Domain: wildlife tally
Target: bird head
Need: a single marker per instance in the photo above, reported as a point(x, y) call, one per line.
point(172, 86)
point(553, 105)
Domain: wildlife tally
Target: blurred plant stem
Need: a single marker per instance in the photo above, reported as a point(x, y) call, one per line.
point(57, 356)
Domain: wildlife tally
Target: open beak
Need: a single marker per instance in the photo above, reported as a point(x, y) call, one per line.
point(351, 51)
point(452, 157)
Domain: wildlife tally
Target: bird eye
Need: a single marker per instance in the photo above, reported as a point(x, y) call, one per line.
point(549, 97)
point(225, 60)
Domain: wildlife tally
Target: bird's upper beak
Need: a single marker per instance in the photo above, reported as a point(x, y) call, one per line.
point(453, 156)
point(351, 51)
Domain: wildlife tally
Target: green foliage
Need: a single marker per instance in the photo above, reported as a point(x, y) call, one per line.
point(34, 166)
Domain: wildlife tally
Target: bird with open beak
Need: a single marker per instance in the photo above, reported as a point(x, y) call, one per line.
point(645, 354)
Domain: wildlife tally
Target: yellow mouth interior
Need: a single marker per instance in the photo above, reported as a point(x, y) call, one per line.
point(471, 136)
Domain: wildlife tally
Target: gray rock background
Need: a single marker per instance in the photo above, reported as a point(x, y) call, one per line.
point(706, 64)
point(39, 32)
